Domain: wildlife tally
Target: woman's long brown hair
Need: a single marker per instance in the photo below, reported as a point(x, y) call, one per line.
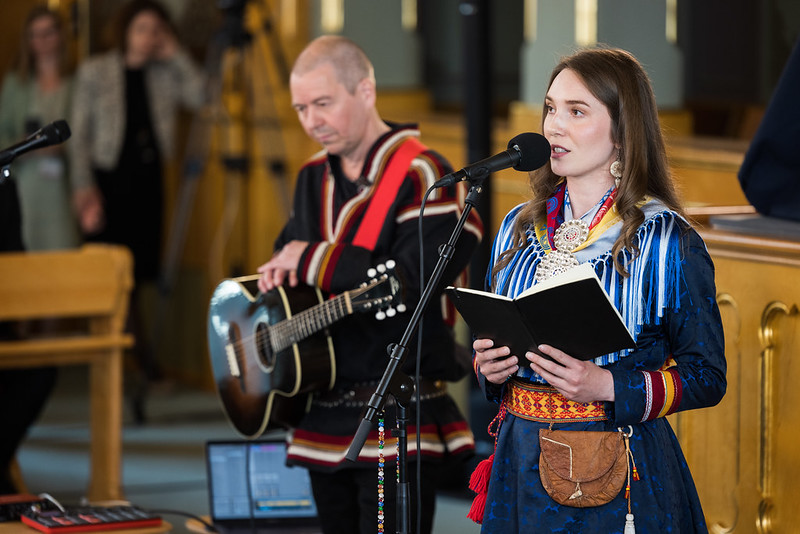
point(618, 80)
point(25, 64)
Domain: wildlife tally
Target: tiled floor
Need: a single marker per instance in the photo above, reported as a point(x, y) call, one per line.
point(163, 466)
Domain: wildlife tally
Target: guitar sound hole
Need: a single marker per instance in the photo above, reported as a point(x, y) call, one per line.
point(264, 347)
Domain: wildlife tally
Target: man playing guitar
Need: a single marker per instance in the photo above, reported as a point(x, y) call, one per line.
point(357, 204)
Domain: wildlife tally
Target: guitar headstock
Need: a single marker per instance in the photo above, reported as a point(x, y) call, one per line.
point(382, 292)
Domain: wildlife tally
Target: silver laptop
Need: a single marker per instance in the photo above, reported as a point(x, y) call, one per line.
point(252, 490)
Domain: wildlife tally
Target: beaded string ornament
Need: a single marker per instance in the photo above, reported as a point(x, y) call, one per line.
point(381, 472)
point(381, 464)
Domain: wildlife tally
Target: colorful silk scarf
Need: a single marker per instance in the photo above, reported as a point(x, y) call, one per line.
point(606, 216)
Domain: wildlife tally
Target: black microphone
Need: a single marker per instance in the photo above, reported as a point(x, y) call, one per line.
point(526, 152)
point(52, 134)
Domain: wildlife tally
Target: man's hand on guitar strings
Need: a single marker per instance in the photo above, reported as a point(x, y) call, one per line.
point(282, 265)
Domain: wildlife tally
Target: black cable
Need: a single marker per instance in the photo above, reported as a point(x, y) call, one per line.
point(418, 363)
point(48, 497)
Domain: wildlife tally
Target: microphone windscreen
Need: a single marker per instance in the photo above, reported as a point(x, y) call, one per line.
point(54, 133)
point(61, 131)
point(534, 150)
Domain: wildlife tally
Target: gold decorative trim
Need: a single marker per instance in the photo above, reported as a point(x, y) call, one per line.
point(723, 300)
point(764, 517)
point(717, 528)
point(768, 337)
point(726, 299)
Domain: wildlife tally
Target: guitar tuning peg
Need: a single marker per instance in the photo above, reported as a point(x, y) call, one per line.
point(390, 264)
point(380, 315)
point(381, 268)
point(371, 272)
point(401, 308)
point(390, 312)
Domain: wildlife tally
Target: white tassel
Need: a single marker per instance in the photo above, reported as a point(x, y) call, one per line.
point(629, 528)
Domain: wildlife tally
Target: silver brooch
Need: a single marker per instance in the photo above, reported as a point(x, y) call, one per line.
point(571, 234)
point(555, 263)
point(567, 238)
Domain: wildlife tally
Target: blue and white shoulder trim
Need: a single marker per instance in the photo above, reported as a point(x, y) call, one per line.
point(653, 284)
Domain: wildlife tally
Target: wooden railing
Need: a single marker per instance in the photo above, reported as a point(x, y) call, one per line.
point(91, 284)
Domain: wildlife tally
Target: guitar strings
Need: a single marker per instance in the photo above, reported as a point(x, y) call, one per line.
point(293, 329)
point(308, 322)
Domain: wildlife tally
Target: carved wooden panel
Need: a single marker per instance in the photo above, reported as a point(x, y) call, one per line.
point(743, 453)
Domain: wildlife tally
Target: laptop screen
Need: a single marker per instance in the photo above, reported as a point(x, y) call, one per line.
point(249, 480)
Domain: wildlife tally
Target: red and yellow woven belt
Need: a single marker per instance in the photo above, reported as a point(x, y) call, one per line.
point(539, 402)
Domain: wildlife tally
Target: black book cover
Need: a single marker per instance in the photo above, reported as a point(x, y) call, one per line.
point(571, 312)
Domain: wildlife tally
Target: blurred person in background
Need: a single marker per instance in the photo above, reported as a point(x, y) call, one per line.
point(123, 121)
point(35, 93)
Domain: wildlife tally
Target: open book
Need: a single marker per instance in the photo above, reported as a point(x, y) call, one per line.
point(571, 312)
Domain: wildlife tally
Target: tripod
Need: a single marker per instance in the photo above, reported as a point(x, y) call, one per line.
point(237, 137)
point(250, 132)
point(241, 127)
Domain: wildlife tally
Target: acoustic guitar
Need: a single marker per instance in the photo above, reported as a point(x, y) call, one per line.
point(270, 351)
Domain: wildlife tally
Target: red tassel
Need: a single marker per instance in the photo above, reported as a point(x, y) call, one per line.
point(479, 480)
point(635, 473)
point(478, 508)
point(479, 483)
point(627, 491)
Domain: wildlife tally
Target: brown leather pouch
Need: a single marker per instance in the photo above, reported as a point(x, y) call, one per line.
point(580, 468)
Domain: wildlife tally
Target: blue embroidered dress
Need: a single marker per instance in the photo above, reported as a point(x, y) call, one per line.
point(669, 305)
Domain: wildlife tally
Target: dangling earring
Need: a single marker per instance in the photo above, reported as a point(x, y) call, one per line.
point(616, 170)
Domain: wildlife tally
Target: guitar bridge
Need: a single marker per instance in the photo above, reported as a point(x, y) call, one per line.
point(233, 363)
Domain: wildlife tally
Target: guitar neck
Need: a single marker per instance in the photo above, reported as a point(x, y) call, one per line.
point(309, 322)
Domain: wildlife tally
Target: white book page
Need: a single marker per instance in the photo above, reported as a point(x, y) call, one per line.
point(584, 271)
point(479, 292)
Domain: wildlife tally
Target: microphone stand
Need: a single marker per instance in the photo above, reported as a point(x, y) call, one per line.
point(400, 385)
